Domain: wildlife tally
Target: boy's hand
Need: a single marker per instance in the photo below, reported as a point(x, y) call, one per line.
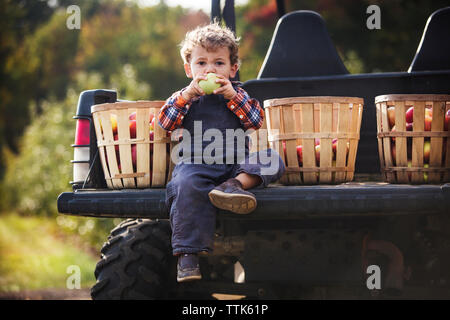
point(194, 90)
point(226, 88)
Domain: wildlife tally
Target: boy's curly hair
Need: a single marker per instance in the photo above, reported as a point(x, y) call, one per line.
point(211, 37)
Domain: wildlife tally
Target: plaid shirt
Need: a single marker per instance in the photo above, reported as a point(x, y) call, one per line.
point(247, 109)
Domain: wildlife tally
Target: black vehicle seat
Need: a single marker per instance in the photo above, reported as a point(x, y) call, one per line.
point(301, 47)
point(433, 52)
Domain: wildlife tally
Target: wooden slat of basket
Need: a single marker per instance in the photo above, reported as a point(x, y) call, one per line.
point(108, 139)
point(159, 156)
point(423, 134)
point(101, 150)
point(298, 121)
point(277, 125)
point(123, 131)
point(320, 135)
point(400, 142)
point(380, 141)
point(417, 147)
point(437, 124)
point(326, 152)
point(309, 153)
point(386, 143)
point(447, 151)
point(143, 149)
point(341, 148)
point(291, 150)
point(354, 128)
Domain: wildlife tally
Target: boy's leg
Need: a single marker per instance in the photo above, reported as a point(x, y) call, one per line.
point(192, 216)
point(257, 170)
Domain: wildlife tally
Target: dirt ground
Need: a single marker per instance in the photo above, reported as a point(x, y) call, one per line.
point(47, 294)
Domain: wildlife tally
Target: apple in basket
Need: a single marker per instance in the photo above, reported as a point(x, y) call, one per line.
point(409, 126)
point(426, 151)
point(134, 155)
point(425, 174)
point(152, 122)
point(317, 154)
point(409, 166)
point(132, 129)
point(300, 154)
point(151, 139)
point(394, 153)
point(132, 119)
point(409, 115)
point(334, 145)
point(391, 116)
point(447, 120)
point(428, 118)
point(113, 119)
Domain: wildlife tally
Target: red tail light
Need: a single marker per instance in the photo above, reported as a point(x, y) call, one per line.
point(81, 151)
point(82, 132)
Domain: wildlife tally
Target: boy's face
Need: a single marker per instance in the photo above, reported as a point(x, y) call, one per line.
point(204, 61)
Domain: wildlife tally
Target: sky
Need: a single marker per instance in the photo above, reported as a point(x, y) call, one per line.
point(205, 5)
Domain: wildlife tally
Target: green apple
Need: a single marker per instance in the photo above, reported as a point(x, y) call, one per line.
point(425, 174)
point(208, 86)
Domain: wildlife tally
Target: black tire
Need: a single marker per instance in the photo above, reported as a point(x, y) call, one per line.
point(135, 262)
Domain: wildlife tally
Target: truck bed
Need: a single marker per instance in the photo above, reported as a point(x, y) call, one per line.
point(275, 202)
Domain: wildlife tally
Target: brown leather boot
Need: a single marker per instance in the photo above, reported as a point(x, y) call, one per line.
point(230, 196)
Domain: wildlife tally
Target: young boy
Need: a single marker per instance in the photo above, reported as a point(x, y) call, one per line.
point(198, 189)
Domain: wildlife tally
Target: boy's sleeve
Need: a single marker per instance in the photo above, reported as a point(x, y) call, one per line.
point(172, 113)
point(247, 109)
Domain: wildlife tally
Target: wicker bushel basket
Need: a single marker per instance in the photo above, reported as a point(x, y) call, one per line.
point(413, 137)
point(134, 150)
point(317, 137)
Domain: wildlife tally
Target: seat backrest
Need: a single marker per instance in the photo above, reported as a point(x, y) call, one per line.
point(433, 52)
point(301, 47)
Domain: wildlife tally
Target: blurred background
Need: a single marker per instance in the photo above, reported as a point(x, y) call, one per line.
point(131, 46)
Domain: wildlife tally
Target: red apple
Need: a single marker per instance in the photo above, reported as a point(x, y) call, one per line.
point(391, 116)
point(113, 119)
point(428, 118)
point(132, 129)
point(152, 124)
point(409, 115)
point(151, 139)
point(447, 120)
point(409, 126)
point(426, 151)
point(300, 154)
point(334, 145)
point(134, 155)
point(317, 154)
point(394, 153)
point(316, 141)
point(116, 146)
point(393, 130)
point(133, 117)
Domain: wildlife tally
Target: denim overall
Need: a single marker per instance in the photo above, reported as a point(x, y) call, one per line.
point(192, 216)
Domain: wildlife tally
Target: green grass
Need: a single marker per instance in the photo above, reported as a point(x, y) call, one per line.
point(35, 254)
